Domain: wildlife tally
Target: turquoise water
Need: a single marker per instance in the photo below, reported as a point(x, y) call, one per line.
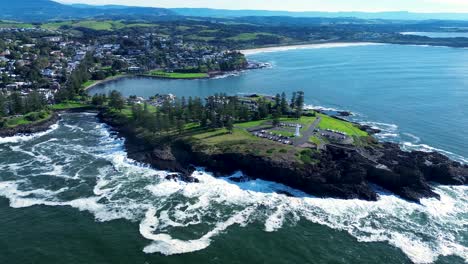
point(417, 95)
point(70, 195)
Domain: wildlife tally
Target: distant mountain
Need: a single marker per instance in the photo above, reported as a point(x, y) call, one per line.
point(41, 10)
point(224, 13)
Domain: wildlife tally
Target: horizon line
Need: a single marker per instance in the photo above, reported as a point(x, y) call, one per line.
point(272, 10)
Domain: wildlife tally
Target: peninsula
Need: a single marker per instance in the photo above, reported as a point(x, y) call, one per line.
point(272, 138)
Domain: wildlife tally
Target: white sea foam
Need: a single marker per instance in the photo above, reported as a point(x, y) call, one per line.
point(307, 46)
point(321, 108)
point(20, 138)
point(415, 138)
point(124, 189)
point(408, 146)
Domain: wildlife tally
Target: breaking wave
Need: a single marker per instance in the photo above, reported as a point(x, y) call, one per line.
point(169, 211)
point(19, 138)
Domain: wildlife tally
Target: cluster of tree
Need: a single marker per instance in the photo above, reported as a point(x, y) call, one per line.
point(217, 111)
point(17, 104)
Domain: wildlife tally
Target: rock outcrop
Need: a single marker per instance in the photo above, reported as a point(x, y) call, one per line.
point(30, 128)
point(339, 172)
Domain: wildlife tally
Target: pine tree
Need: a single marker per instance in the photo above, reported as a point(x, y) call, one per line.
point(116, 100)
point(299, 104)
point(3, 101)
point(16, 104)
point(293, 100)
point(229, 125)
point(284, 104)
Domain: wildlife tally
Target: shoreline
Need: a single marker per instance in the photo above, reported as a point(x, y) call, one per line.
point(308, 46)
point(357, 171)
point(30, 129)
point(106, 80)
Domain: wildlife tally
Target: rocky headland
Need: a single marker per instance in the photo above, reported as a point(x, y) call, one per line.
point(337, 171)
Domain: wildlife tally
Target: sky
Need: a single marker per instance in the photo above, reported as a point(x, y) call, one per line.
point(426, 6)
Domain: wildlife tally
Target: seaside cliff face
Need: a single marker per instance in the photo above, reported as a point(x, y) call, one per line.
point(340, 172)
point(30, 128)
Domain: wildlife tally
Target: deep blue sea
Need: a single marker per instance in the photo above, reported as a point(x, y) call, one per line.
point(71, 195)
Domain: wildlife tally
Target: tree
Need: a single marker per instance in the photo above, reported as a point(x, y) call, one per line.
point(34, 101)
point(98, 99)
point(277, 101)
point(180, 126)
point(276, 119)
point(119, 65)
point(116, 100)
point(16, 104)
point(284, 104)
point(3, 101)
point(299, 104)
point(293, 100)
point(229, 125)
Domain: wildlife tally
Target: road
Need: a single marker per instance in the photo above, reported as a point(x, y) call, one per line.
point(307, 134)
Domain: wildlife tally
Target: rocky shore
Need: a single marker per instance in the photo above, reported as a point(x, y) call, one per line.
point(341, 172)
point(30, 128)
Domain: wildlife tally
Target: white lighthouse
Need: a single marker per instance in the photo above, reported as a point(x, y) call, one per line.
point(298, 131)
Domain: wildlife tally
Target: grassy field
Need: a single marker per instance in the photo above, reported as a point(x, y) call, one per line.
point(328, 122)
point(315, 140)
point(25, 120)
point(251, 124)
point(222, 136)
point(282, 133)
point(108, 25)
point(176, 75)
point(68, 105)
point(88, 83)
point(249, 36)
point(8, 24)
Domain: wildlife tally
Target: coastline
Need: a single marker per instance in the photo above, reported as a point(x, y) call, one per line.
point(109, 79)
point(307, 46)
point(29, 129)
point(341, 172)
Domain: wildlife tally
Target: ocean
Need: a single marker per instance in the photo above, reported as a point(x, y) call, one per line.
point(71, 195)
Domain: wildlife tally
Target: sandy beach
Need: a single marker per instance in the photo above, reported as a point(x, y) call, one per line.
point(307, 46)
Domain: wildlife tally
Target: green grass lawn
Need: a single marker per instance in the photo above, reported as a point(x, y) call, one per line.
point(4, 24)
point(56, 25)
point(250, 124)
point(94, 24)
point(328, 122)
point(127, 111)
point(222, 136)
point(68, 105)
point(305, 121)
point(282, 133)
point(88, 83)
point(23, 120)
point(176, 75)
point(249, 36)
point(315, 140)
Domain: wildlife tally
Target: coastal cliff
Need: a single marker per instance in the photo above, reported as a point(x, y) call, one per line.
point(336, 171)
point(30, 128)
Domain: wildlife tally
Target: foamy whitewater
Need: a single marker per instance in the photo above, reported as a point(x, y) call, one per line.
point(82, 165)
